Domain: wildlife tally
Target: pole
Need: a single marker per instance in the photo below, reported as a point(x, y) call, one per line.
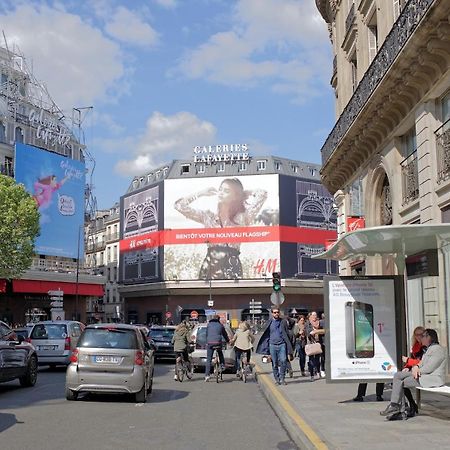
point(77, 274)
point(253, 311)
point(209, 274)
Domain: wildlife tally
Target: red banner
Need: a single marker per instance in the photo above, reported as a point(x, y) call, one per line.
point(227, 235)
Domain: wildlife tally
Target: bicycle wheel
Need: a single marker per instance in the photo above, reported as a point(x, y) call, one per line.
point(244, 369)
point(179, 370)
point(189, 369)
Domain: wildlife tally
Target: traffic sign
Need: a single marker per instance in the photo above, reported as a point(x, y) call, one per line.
point(58, 299)
point(210, 303)
point(194, 315)
point(277, 298)
point(168, 315)
point(55, 293)
point(56, 304)
point(253, 303)
point(256, 311)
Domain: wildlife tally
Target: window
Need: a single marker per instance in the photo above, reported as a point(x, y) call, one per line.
point(373, 42)
point(409, 142)
point(115, 253)
point(261, 165)
point(200, 168)
point(356, 199)
point(312, 171)
point(185, 168)
point(157, 174)
point(149, 177)
point(18, 135)
point(242, 166)
point(398, 5)
point(354, 71)
point(445, 105)
point(135, 184)
point(2, 132)
point(294, 168)
point(277, 165)
point(221, 167)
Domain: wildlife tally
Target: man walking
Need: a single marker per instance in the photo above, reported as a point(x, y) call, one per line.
point(275, 341)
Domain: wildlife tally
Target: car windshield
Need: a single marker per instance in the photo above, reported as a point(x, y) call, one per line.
point(22, 332)
point(108, 338)
point(49, 331)
point(162, 334)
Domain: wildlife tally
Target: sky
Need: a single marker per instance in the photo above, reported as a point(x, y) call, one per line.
point(163, 76)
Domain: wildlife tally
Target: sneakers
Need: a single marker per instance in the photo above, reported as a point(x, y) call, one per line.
point(391, 409)
point(380, 398)
point(291, 373)
point(322, 374)
point(283, 382)
point(312, 377)
point(206, 378)
point(358, 398)
point(175, 377)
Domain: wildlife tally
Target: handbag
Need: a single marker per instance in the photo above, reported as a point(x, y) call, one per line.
point(313, 349)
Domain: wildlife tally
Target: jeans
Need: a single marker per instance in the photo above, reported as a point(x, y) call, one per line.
point(279, 357)
point(301, 356)
point(209, 353)
point(322, 358)
point(237, 358)
point(314, 364)
point(402, 380)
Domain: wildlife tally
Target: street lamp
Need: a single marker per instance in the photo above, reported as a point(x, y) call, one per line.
point(78, 271)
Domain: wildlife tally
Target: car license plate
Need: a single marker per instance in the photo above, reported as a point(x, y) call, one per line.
point(164, 344)
point(107, 359)
point(47, 347)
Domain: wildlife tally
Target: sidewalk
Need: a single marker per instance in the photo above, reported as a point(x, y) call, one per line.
point(318, 415)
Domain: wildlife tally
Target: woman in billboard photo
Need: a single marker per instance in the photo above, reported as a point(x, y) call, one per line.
point(44, 188)
point(236, 207)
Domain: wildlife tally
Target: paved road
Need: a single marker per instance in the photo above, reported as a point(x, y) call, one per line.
point(189, 415)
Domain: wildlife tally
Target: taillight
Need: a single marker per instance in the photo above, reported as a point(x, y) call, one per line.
point(28, 340)
point(67, 343)
point(139, 358)
point(74, 356)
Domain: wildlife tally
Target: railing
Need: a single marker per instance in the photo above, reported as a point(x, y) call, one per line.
point(95, 246)
point(402, 30)
point(410, 178)
point(112, 237)
point(52, 265)
point(350, 19)
point(443, 151)
point(6, 169)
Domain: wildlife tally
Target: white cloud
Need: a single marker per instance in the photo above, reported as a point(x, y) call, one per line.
point(170, 4)
point(280, 42)
point(75, 60)
point(127, 26)
point(166, 138)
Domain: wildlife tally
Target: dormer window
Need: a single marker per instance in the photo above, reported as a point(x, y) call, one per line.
point(185, 168)
point(277, 165)
point(261, 165)
point(294, 168)
point(149, 177)
point(221, 167)
point(242, 166)
point(312, 171)
point(200, 168)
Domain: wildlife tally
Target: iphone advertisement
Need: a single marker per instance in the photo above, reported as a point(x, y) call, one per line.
point(361, 334)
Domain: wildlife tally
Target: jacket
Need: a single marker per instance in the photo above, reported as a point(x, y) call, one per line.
point(243, 340)
point(180, 340)
point(263, 344)
point(215, 333)
point(433, 367)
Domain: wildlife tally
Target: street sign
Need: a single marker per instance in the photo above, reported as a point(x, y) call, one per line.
point(55, 293)
point(56, 304)
point(57, 299)
point(168, 315)
point(256, 311)
point(257, 304)
point(194, 315)
point(210, 303)
point(277, 298)
point(210, 312)
point(293, 311)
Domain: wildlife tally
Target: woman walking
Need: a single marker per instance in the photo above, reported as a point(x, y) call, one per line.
point(300, 342)
point(313, 333)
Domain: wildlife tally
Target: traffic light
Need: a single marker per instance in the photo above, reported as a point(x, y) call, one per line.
point(276, 281)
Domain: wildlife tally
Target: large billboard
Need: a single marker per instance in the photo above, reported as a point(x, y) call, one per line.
point(221, 228)
point(57, 185)
point(140, 215)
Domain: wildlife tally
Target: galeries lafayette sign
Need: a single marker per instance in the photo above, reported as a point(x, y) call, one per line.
point(221, 153)
point(51, 131)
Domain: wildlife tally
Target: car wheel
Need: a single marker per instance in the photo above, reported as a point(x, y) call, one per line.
point(71, 395)
point(30, 377)
point(150, 386)
point(141, 396)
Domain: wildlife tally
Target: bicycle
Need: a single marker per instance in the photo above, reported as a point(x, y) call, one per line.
point(183, 368)
point(245, 369)
point(217, 366)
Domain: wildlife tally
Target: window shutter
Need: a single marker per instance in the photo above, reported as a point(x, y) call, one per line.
point(396, 4)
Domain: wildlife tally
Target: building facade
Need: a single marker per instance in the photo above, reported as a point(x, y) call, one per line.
point(205, 235)
point(39, 149)
point(387, 158)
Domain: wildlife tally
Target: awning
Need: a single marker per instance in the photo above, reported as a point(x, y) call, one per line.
point(42, 287)
point(400, 240)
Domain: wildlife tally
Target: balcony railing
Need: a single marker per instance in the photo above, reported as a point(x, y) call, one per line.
point(95, 246)
point(410, 178)
point(443, 152)
point(61, 266)
point(402, 30)
point(112, 237)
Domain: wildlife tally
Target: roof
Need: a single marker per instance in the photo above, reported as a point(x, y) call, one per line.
point(399, 239)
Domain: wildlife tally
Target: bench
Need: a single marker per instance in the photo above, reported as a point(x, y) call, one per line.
point(444, 390)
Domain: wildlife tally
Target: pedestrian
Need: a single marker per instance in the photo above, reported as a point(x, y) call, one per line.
point(291, 332)
point(362, 389)
point(430, 372)
point(300, 342)
point(313, 333)
point(275, 341)
point(243, 343)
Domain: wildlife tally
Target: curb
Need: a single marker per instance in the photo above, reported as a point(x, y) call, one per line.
point(298, 429)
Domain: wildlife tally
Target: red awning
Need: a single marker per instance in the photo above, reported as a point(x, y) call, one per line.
point(42, 287)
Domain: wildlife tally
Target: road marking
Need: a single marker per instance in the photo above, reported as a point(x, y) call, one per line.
point(295, 416)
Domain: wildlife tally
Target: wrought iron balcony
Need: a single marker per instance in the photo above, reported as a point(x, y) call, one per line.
point(410, 178)
point(112, 237)
point(402, 30)
point(443, 152)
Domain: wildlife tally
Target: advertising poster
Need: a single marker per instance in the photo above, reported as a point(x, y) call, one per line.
point(57, 185)
point(361, 336)
point(217, 225)
point(140, 215)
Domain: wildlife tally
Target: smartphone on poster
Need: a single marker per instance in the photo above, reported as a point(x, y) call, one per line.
point(359, 330)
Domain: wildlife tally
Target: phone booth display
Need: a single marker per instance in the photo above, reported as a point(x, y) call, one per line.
point(362, 333)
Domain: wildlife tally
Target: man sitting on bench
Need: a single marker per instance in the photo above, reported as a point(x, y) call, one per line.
point(430, 372)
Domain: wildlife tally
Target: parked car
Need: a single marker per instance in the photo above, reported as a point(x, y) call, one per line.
point(18, 358)
point(162, 339)
point(198, 335)
point(23, 331)
point(55, 340)
point(111, 358)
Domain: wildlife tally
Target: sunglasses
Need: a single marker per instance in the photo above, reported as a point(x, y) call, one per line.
point(275, 312)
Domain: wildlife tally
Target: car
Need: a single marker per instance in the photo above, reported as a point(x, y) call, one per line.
point(55, 340)
point(111, 358)
point(18, 359)
point(198, 335)
point(162, 335)
point(23, 331)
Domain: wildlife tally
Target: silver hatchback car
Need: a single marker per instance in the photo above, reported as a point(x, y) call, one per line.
point(111, 358)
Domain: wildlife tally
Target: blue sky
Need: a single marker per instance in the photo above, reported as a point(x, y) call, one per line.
point(166, 75)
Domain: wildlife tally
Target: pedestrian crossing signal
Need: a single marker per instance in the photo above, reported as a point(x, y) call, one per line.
point(276, 281)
